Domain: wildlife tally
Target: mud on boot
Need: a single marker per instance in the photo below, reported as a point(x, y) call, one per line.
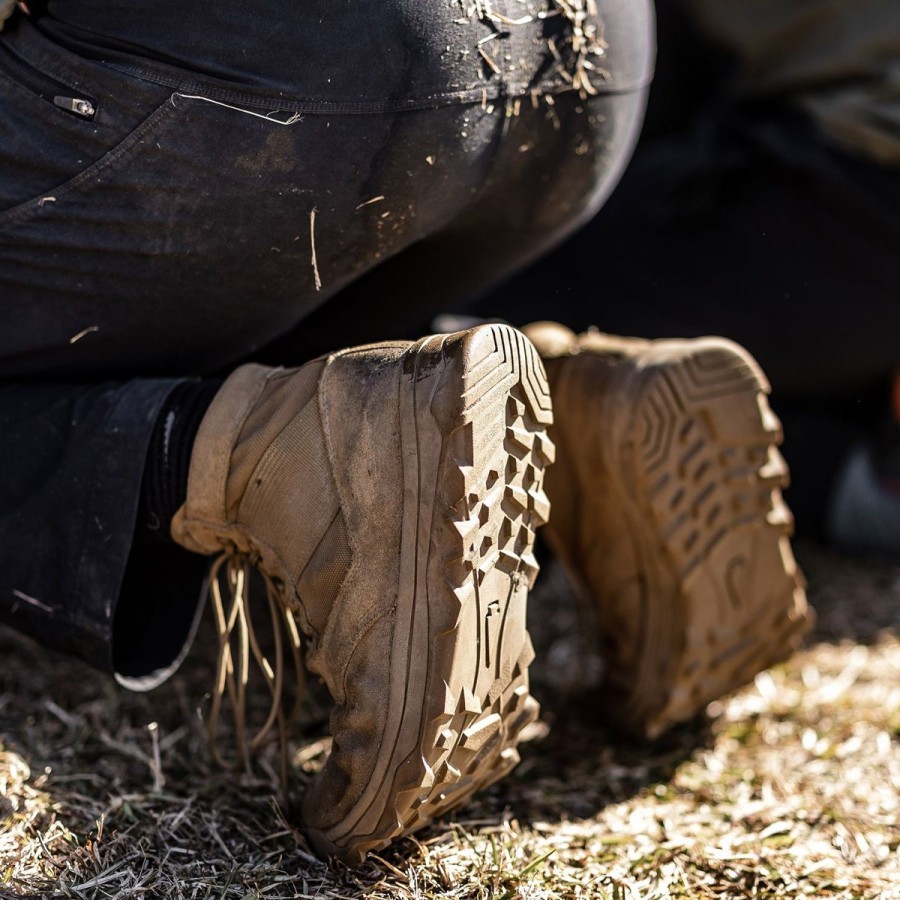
point(667, 510)
point(390, 493)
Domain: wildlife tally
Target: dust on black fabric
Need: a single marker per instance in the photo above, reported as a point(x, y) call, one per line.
point(342, 51)
point(168, 237)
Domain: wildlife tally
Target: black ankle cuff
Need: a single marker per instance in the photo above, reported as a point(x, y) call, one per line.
point(164, 487)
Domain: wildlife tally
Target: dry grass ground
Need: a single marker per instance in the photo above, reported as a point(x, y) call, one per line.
point(787, 788)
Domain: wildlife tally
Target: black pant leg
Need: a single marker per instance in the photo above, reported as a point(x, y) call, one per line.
point(554, 168)
point(73, 458)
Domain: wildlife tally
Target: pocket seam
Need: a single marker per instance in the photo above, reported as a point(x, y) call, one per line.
point(160, 116)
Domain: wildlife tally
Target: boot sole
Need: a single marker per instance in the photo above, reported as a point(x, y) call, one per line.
point(473, 418)
point(723, 597)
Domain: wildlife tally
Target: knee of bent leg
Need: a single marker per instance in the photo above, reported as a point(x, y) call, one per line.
point(565, 149)
point(599, 122)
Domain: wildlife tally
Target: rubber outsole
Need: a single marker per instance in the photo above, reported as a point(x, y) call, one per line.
point(670, 470)
point(729, 600)
point(473, 421)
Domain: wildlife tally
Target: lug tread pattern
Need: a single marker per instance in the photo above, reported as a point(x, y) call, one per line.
point(493, 471)
point(708, 465)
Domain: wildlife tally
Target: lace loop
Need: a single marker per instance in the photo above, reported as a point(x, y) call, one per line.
point(238, 645)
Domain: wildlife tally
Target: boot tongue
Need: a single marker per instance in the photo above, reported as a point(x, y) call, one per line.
point(287, 392)
point(282, 488)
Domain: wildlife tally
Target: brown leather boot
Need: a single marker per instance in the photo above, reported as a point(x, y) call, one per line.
point(667, 509)
point(390, 493)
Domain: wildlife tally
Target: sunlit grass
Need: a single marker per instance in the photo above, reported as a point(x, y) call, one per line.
point(788, 788)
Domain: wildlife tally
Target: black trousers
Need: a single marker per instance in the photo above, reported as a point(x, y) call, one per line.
point(743, 222)
point(154, 229)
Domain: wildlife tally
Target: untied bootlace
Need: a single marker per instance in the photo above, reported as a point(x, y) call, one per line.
point(239, 648)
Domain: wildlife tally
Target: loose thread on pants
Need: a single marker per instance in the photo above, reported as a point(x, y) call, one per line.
point(268, 117)
point(312, 246)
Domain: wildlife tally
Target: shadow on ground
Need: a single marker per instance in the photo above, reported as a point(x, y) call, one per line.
point(106, 793)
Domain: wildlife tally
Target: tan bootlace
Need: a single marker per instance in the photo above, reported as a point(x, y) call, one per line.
point(237, 643)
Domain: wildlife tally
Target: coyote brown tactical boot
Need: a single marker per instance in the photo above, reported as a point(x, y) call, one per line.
point(667, 508)
point(390, 494)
